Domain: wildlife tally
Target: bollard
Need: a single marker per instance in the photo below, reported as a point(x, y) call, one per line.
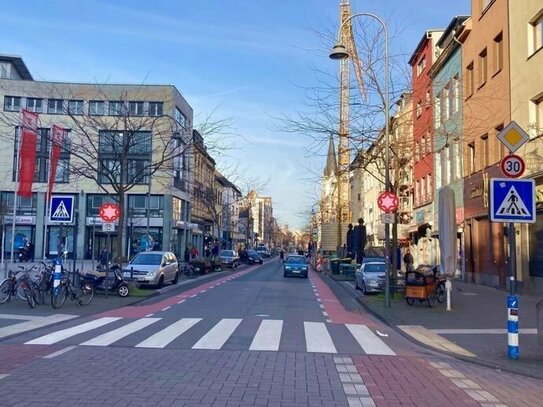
point(512, 327)
point(56, 276)
point(448, 288)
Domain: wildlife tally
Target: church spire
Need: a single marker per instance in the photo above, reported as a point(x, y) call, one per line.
point(331, 163)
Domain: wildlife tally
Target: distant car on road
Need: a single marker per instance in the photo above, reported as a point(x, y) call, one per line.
point(295, 265)
point(253, 257)
point(370, 277)
point(155, 268)
point(229, 258)
point(263, 251)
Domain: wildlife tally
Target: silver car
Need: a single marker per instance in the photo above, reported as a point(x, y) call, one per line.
point(155, 268)
point(371, 277)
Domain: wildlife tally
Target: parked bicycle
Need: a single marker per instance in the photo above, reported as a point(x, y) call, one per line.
point(188, 270)
point(18, 284)
point(81, 290)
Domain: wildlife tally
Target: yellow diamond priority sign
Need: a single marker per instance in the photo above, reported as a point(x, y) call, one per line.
point(513, 136)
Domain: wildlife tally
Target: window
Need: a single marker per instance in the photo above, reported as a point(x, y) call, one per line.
point(136, 108)
point(75, 107)
point(471, 151)
point(450, 99)
point(3, 71)
point(486, 153)
point(537, 29)
point(483, 66)
point(443, 158)
point(437, 113)
point(423, 146)
point(179, 117)
point(498, 129)
point(498, 53)
point(421, 65)
point(97, 108)
point(429, 188)
point(427, 101)
point(538, 110)
point(12, 103)
point(34, 105)
point(43, 147)
point(132, 147)
point(457, 93)
point(116, 108)
point(429, 146)
point(457, 160)
point(417, 193)
point(54, 106)
point(155, 108)
point(470, 80)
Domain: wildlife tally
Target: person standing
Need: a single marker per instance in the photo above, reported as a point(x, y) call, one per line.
point(103, 258)
point(349, 239)
point(359, 240)
point(408, 260)
point(186, 255)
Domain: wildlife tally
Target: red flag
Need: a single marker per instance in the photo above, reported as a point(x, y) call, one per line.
point(27, 153)
point(56, 148)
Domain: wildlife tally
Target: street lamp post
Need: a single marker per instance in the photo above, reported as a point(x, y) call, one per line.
point(340, 52)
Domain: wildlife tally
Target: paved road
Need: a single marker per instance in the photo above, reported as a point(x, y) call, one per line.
point(243, 338)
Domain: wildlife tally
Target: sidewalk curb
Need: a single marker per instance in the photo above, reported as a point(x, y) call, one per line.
point(476, 361)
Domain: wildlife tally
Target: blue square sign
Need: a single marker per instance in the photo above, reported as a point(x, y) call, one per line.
point(61, 209)
point(512, 200)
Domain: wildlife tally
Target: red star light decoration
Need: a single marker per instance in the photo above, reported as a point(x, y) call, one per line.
point(387, 202)
point(109, 212)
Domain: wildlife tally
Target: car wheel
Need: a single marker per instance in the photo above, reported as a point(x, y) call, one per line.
point(356, 287)
point(305, 275)
point(364, 288)
point(161, 282)
point(285, 275)
point(176, 278)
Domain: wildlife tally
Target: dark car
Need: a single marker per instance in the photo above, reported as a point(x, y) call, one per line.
point(253, 257)
point(229, 258)
point(295, 265)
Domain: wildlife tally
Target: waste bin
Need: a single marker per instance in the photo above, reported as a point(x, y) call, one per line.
point(539, 309)
point(334, 266)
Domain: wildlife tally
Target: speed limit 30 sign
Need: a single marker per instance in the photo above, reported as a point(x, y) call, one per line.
point(512, 166)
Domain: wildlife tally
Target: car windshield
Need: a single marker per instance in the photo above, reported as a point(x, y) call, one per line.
point(147, 259)
point(295, 259)
point(227, 253)
point(374, 268)
point(251, 253)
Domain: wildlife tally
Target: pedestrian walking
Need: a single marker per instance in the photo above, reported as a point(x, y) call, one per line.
point(186, 255)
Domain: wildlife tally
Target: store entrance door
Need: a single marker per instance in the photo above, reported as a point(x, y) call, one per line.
point(102, 240)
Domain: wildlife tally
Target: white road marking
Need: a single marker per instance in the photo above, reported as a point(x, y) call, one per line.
point(317, 338)
point(165, 336)
point(33, 324)
point(166, 309)
point(59, 352)
point(112, 336)
point(370, 342)
point(69, 332)
point(3, 376)
point(218, 335)
point(268, 335)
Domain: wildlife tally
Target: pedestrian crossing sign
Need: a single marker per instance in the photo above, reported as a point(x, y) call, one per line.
point(61, 209)
point(512, 200)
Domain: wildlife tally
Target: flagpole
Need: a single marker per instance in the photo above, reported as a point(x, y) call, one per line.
point(45, 221)
point(19, 134)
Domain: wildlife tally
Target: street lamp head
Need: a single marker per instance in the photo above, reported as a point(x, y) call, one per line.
point(339, 52)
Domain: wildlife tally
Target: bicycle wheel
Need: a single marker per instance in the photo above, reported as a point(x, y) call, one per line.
point(441, 293)
point(86, 294)
point(5, 291)
point(21, 290)
point(58, 296)
point(29, 294)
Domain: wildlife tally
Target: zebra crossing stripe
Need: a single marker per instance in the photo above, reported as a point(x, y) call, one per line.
point(268, 335)
point(218, 335)
point(162, 338)
point(317, 338)
point(112, 336)
point(69, 332)
point(370, 343)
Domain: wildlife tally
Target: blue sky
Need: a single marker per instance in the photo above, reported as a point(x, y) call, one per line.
point(249, 61)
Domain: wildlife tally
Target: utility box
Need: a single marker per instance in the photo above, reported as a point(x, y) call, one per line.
point(539, 308)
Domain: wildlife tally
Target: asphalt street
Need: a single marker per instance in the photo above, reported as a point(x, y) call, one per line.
point(246, 337)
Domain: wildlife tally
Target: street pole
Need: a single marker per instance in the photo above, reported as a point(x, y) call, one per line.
point(340, 52)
